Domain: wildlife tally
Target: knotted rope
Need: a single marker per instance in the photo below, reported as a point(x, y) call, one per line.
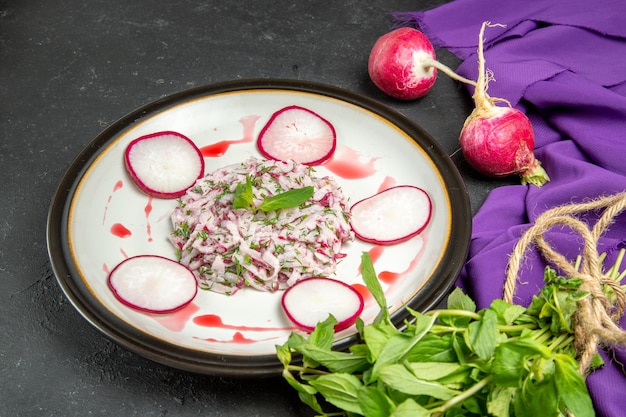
point(596, 317)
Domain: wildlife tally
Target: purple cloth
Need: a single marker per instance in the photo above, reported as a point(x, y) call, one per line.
point(562, 62)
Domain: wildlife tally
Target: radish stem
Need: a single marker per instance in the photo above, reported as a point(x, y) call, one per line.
point(429, 62)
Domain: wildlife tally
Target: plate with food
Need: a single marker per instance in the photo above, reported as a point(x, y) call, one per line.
point(180, 228)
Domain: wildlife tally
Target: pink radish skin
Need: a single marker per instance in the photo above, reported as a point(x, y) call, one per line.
point(391, 216)
point(298, 134)
point(499, 141)
point(153, 284)
point(312, 300)
point(164, 164)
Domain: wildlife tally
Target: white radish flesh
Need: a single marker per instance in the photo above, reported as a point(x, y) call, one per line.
point(312, 300)
point(391, 216)
point(153, 284)
point(299, 134)
point(164, 164)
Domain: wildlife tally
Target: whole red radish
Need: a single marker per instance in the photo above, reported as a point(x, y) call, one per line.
point(403, 64)
point(400, 64)
point(499, 140)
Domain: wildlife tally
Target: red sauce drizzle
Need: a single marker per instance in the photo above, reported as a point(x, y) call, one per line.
point(387, 183)
point(389, 277)
point(365, 293)
point(148, 210)
point(239, 339)
point(220, 148)
point(177, 320)
point(348, 165)
point(120, 231)
point(212, 320)
point(116, 187)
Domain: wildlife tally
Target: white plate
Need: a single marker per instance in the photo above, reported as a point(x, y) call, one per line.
point(98, 218)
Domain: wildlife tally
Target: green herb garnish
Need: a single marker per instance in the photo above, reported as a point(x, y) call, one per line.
point(243, 195)
point(502, 361)
point(244, 198)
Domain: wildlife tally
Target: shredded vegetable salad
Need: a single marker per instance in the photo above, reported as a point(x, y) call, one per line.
point(231, 248)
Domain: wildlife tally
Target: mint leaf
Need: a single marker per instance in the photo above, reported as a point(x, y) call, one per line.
point(306, 393)
point(401, 345)
point(571, 386)
point(482, 335)
point(341, 390)
point(433, 348)
point(243, 198)
point(324, 333)
point(433, 371)
point(458, 300)
point(499, 401)
point(373, 285)
point(410, 408)
point(288, 199)
point(398, 377)
point(374, 402)
point(537, 399)
point(507, 313)
point(332, 360)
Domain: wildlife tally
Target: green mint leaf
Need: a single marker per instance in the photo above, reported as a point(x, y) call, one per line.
point(499, 401)
point(409, 408)
point(373, 285)
point(401, 345)
point(537, 399)
point(482, 335)
point(400, 378)
point(433, 348)
point(305, 392)
point(571, 386)
point(374, 402)
point(458, 300)
point(435, 371)
point(340, 390)
point(284, 354)
point(243, 198)
point(376, 337)
point(332, 360)
point(324, 333)
point(507, 313)
point(288, 199)
point(511, 358)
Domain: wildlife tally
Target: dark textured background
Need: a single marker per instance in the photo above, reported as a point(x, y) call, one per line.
point(68, 70)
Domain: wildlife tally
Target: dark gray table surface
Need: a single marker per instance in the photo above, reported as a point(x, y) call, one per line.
point(67, 71)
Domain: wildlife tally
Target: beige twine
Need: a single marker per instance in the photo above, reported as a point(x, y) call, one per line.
point(596, 318)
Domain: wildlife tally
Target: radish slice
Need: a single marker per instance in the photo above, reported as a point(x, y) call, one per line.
point(164, 164)
point(299, 134)
point(391, 216)
point(311, 300)
point(153, 284)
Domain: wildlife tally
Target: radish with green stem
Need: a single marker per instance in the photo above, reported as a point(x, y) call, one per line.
point(153, 284)
point(164, 164)
point(299, 134)
point(391, 216)
point(499, 140)
point(312, 300)
point(403, 64)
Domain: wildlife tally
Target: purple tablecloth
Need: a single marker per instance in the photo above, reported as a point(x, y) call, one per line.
point(563, 63)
